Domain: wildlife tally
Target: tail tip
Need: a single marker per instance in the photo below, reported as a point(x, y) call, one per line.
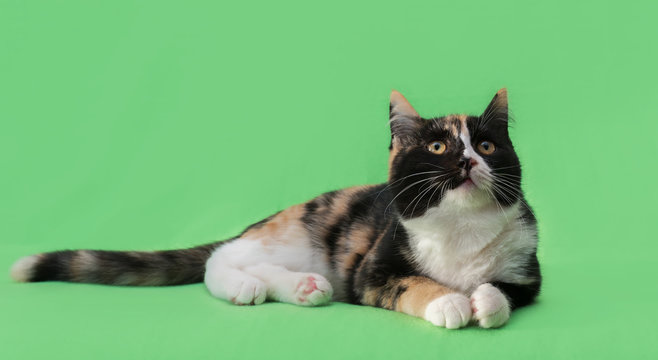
point(23, 268)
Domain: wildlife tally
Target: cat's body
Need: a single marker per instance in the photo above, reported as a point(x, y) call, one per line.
point(448, 238)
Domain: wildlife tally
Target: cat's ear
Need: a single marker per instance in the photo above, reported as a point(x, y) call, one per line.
point(405, 121)
point(497, 109)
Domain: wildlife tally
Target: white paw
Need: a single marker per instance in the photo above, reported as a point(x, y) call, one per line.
point(490, 307)
point(246, 291)
point(312, 290)
point(451, 311)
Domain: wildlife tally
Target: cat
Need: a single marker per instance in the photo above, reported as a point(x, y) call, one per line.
point(448, 238)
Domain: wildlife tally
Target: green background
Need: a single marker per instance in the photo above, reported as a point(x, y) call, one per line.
point(148, 125)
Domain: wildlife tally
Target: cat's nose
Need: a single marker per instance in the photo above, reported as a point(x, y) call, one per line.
point(466, 163)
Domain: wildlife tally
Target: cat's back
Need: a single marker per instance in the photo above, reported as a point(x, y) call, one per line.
point(341, 220)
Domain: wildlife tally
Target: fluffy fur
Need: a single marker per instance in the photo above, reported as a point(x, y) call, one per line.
point(449, 238)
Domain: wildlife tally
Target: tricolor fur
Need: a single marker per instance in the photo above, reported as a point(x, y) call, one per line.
point(449, 238)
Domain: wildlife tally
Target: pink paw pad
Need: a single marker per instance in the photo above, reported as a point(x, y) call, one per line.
point(308, 284)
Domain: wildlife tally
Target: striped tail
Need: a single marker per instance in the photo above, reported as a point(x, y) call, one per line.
point(131, 268)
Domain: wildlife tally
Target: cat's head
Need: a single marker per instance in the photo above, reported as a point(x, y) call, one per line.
point(464, 159)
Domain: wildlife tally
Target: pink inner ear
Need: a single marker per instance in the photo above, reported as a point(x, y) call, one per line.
point(400, 105)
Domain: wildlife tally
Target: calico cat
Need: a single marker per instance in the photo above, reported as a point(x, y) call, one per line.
point(449, 238)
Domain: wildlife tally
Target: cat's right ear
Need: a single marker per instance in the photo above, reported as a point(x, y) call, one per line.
point(405, 121)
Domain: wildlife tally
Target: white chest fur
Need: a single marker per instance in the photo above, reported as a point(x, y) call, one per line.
point(465, 247)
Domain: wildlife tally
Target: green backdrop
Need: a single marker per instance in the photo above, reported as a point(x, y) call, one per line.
point(151, 124)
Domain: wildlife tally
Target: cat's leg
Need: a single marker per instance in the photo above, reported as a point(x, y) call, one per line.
point(301, 288)
point(276, 255)
point(226, 281)
point(493, 302)
point(490, 306)
point(422, 297)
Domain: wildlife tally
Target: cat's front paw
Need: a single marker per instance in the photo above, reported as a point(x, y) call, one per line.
point(451, 311)
point(490, 306)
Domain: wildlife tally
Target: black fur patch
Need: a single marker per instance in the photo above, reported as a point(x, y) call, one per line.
point(53, 266)
point(521, 295)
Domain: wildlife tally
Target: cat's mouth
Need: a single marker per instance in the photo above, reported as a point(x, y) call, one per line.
point(467, 183)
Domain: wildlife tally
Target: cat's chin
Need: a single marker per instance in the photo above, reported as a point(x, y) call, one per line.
point(468, 185)
point(467, 195)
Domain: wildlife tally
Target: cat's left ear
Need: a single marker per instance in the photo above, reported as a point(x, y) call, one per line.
point(497, 109)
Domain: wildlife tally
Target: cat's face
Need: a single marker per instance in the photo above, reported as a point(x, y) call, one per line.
point(467, 159)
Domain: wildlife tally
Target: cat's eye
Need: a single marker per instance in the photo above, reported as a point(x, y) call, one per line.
point(486, 147)
point(437, 147)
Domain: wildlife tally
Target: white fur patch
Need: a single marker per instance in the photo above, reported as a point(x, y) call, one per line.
point(262, 259)
point(479, 173)
point(236, 286)
point(23, 268)
point(307, 289)
point(464, 247)
point(451, 311)
point(469, 152)
point(490, 307)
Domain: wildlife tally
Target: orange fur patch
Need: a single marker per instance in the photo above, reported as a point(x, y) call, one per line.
point(420, 291)
point(409, 295)
point(272, 232)
point(355, 244)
